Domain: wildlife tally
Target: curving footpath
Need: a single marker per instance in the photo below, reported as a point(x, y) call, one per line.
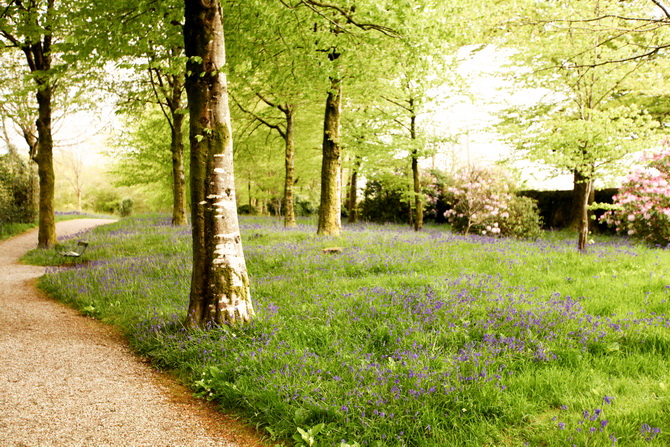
point(66, 380)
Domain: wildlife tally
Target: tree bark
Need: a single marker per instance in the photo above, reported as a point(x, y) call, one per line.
point(330, 209)
point(418, 199)
point(178, 176)
point(46, 234)
point(353, 191)
point(582, 195)
point(289, 163)
point(220, 284)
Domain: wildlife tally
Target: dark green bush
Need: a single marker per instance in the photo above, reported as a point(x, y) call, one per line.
point(16, 190)
point(383, 204)
point(126, 207)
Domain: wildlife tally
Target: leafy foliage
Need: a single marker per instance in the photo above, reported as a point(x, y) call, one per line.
point(524, 219)
point(16, 204)
point(384, 203)
point(142, 158)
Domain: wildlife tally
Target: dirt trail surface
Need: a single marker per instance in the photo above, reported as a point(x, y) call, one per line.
point(66, 380)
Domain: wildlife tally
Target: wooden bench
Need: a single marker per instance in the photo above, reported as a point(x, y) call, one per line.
point(75, 254)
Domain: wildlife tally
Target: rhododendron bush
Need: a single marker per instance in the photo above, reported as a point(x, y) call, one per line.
point(642, 207)
point(483, 202)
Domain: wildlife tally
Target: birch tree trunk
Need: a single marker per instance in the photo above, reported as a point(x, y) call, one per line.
point(220, 284)
point(330, 208)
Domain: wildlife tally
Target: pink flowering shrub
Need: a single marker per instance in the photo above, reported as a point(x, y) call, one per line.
point(483, 203)
point(642, 206)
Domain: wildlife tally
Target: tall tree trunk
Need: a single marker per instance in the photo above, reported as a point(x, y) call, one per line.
point(220, 284)
point(178, 176)
point(289, 162)
point(418, 199)
point(330, 208)
point(353, 191)
point(46, 235)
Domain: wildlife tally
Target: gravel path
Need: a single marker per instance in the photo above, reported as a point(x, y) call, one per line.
point(66, 380)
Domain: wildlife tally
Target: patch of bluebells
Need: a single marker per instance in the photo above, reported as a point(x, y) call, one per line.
point(590, 429)
point(443, 345)
point(648, 432)
point(366, 360)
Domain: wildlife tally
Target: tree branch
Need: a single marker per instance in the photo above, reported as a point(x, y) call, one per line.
point(663, 8)
point(258, 118)
point(156, 94)
point(4, 13)
point(267, 101)
point(313, 5)
point(402, 106)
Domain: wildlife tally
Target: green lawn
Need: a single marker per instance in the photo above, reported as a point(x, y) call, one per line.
point(8, 230)
point(404, 339)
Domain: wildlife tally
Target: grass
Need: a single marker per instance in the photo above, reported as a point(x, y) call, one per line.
point(404, 339)
point(10, 229)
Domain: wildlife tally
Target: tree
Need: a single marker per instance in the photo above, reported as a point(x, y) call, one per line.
point(142, 158)
point(272, 72)
point(155, 54)
point(72, 162)
point(286, 131)
point(341, 39)
point(582, 129)
point(17, 113)
point(30, 27)
point(420, 59)
point(220, 283)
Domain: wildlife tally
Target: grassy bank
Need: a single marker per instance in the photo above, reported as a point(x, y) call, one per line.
point(405, 339)
point(8, 230)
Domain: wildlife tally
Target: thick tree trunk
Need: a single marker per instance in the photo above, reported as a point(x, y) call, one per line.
point(46, 235)
point(178, 176)
point(330, 208)
point(353, 191)
point(220, 284)
point(289, 162)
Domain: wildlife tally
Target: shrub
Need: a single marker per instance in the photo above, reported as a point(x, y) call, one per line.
point(16, 194)
point(383, 203)
point(303, 206)
point(524, 219)
point(642, 207)
point(482, 202)
point(247, 210)
point(126, 207)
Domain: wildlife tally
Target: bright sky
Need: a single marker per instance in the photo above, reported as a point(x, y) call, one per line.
point(470, 118)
